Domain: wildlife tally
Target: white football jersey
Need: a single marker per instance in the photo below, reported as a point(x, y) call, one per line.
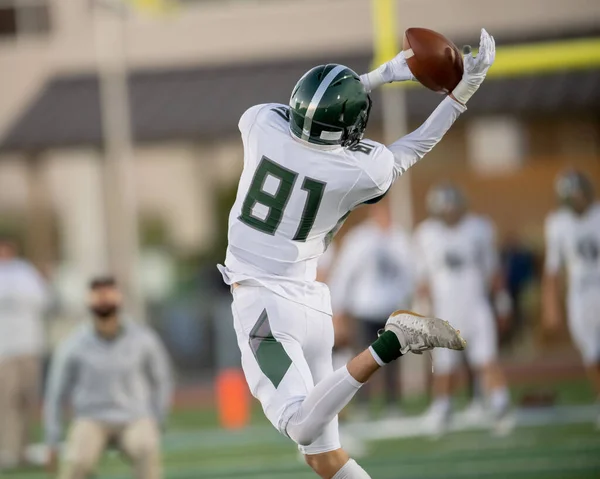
point(574, 241)
point(457, 261)
point(293, 196)
point(374, 274)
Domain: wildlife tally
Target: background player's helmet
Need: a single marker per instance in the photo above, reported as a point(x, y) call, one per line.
point(446, 201)
point(574, 190)
point(329, 106)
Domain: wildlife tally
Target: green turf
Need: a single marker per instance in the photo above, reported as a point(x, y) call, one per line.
point(194, 449)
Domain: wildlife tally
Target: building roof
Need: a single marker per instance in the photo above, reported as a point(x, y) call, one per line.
point(205, 102)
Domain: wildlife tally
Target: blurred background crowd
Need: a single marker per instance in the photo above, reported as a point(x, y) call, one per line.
point(119, 153)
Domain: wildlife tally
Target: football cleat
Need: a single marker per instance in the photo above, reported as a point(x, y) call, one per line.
point(418, 333)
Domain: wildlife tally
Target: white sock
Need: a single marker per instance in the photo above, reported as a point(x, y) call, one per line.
point(499, 399)
point(351, 470)
point(320, 406)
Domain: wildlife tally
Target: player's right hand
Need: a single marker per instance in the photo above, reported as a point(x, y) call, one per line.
point(396, 70)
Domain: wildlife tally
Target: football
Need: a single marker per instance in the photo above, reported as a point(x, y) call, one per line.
point(433, 59)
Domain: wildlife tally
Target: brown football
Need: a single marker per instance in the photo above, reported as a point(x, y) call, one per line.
point(433, 59)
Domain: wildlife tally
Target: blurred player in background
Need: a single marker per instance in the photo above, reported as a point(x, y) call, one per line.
point(23, 299)
point(305, 170)
point(115, 374)
point(342, 347)
point(573, 242)
point(458, 268)
point(373, 278)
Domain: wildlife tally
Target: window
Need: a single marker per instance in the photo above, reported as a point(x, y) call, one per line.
point(24, 18)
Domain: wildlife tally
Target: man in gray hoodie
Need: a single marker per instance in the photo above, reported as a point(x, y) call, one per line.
point(116, 376)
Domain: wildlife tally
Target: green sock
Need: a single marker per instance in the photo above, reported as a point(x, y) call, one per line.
point(387, 347)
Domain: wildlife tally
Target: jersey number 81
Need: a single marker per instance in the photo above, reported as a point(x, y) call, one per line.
point(277, 202)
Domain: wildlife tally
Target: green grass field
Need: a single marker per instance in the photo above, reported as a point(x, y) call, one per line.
point(194, 448)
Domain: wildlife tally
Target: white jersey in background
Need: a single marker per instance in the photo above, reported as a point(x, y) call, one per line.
point(574, 242)
point(23, 299)
point(374, 274)
point(456, 261)
point(293, 196)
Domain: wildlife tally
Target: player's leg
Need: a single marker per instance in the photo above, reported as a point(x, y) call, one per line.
point(325, 455)
point(10, 427)
point(404, 332)
point(482, 355)
point(141, 444)
point(30, 377)
point(584, 326)
point(272, 332)
point(445, 364)
point(86, 441)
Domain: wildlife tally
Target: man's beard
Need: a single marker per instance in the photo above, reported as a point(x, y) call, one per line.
point(104, 311)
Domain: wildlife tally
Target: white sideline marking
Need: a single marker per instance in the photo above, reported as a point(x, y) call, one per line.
point(369, 430)
point(417, 426)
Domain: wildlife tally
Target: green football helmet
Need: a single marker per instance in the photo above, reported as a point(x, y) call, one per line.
point(329, 106)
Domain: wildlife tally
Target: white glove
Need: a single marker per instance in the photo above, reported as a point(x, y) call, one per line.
point(476, 68)
point(394, 70)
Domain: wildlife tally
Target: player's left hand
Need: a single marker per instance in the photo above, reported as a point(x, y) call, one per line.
point(395, 70)
point(475, 67)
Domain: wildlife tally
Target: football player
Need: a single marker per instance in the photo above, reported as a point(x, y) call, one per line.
point(373, 278)
point(458, 267)
point(573, 242)
point(306, 168)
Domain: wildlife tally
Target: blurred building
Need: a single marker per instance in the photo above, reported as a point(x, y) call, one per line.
point(194, 70)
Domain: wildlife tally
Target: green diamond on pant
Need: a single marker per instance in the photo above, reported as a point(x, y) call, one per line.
point(270, 355)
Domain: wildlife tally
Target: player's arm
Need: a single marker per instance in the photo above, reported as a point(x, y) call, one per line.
point(551, 305)
point(60, 382)
point(414, 146)
point(159, 374)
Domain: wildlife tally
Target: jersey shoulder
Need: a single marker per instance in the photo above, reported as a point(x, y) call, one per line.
point(375, 160)
point(274, 115)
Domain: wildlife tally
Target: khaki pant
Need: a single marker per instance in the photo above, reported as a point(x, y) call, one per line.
point(19, 382)
point(87, 439)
